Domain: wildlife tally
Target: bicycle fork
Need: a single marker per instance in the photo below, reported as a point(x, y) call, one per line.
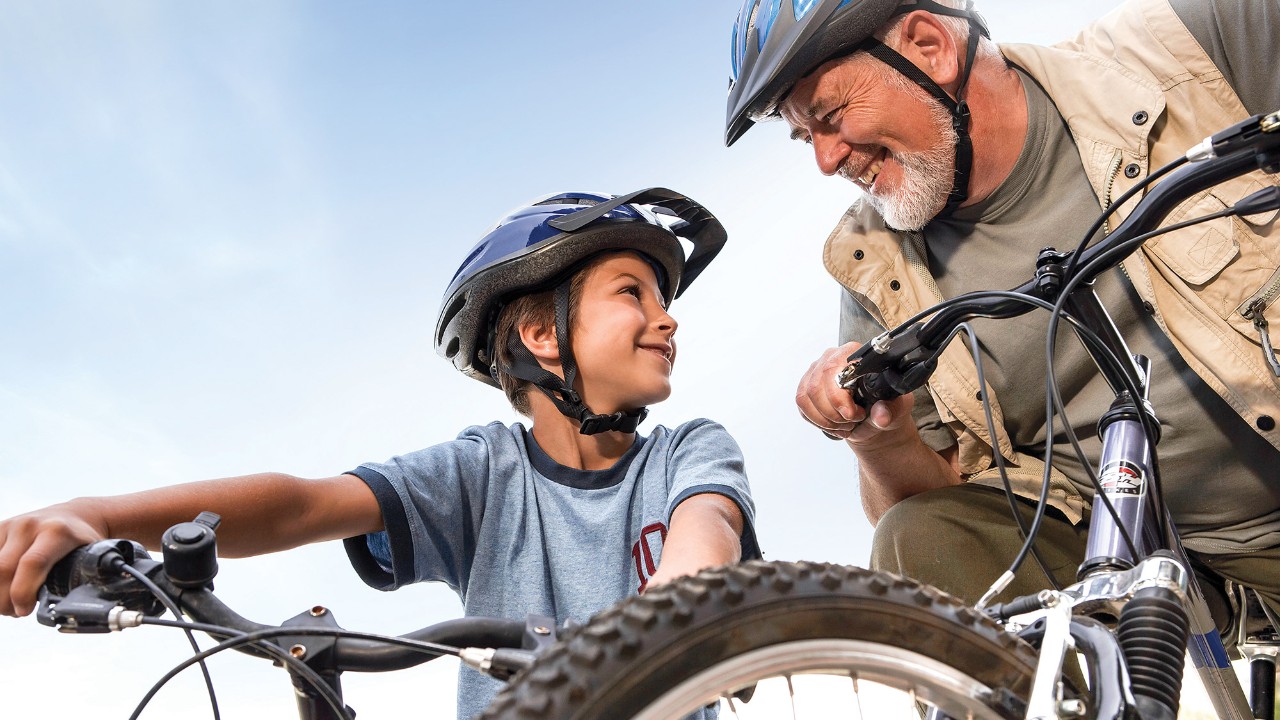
point(1155, 604)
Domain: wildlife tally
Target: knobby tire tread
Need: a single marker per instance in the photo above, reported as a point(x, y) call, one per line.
point(613, 665)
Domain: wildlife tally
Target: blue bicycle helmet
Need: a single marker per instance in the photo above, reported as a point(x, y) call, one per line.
point(537, 248)
point(775, 43)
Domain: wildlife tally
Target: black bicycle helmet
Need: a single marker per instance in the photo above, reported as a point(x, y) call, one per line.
point(537, 248)
point(775, 43)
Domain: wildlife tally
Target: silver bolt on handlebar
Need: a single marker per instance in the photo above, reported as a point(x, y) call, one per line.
point(118, 618)
point(1271, 123)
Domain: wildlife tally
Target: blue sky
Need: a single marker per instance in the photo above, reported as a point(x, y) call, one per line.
point(225, 230)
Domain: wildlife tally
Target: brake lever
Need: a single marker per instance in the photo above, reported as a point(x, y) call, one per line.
point(887, 367)
point(86, 592)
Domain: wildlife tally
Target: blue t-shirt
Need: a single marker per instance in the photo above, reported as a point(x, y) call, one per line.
point(514, 532)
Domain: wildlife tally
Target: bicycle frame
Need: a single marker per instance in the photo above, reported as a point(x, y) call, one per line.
point(1110, 574)
point(901, 360)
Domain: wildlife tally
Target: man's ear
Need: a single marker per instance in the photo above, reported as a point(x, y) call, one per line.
point(541, 341)
point(926, 43)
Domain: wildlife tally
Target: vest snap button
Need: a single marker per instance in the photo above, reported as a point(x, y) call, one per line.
point(1266, 423)
point(1140, 117)
point(858, 254)
point(1132, 170)
point(895, 285)
point(1151, 309)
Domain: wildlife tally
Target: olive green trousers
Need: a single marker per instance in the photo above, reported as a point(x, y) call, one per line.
point(961, 538)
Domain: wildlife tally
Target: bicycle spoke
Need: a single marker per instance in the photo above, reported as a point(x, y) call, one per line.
point(857, 696)
point(791, 691)
point(835, 695)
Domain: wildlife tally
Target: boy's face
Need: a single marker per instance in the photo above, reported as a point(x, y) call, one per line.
point(622, 338)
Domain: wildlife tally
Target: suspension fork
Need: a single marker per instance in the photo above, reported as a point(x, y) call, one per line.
point(1126, 477)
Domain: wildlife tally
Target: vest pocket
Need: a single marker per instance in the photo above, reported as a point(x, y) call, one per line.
point(1199, 253)
point(1222, 262)
point(1228, 264)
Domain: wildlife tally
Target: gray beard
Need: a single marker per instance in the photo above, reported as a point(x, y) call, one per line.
point(927, 179)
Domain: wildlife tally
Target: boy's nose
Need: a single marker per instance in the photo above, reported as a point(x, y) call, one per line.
point(665, 322)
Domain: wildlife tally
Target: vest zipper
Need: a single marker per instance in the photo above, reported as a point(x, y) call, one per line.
point(1254, 310)
point(1112, 174)
point(1111, 184)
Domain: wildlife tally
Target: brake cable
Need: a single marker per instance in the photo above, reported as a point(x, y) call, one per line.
point(124, 567)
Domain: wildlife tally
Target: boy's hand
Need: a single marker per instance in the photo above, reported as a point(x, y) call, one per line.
point(29, 546)
point(831, 409)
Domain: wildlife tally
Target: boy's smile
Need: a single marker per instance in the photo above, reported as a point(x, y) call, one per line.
point(622, 336)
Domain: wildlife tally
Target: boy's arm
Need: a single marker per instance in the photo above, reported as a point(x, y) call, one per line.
point(705, 531)
point(260, 514)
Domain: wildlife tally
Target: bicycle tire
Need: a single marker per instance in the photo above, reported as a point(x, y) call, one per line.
point(799, 616)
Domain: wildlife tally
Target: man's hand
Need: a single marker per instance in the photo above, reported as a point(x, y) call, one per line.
point(30, 544)
point(830, 407)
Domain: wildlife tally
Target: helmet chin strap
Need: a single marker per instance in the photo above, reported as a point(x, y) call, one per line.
point(957, 106)
point(560, 390)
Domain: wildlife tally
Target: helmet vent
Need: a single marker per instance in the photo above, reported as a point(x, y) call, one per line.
point(455, 307)
point(452, 349)
point(568, 199)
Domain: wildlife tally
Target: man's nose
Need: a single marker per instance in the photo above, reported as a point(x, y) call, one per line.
point(830, 152)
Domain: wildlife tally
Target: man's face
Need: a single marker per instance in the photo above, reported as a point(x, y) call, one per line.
point(876, 128)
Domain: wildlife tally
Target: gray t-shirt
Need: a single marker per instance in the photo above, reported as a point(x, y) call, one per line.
point(1219, 475)
point(515, 533)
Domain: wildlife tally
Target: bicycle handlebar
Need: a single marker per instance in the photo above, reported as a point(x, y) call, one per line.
point(901, 360)
point(87, 592)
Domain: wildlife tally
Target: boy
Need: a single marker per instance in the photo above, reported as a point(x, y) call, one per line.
point(563, 306)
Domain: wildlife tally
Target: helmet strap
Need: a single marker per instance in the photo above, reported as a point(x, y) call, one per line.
point(560, 390)
point(957, 106)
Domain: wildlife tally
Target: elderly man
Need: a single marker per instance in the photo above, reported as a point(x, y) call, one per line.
point(971, 157)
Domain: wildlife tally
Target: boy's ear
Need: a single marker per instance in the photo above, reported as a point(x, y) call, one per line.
point(541, 341)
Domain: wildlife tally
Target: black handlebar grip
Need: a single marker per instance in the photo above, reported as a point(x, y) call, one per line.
point(65, 574)
point(871, 388)
point(96, 563)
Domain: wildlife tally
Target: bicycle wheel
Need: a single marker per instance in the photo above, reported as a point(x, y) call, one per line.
point(765, 639)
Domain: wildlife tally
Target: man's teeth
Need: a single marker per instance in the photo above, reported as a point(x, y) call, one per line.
point(869, 176)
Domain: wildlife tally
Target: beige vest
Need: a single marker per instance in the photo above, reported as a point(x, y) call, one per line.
point(1199, 280)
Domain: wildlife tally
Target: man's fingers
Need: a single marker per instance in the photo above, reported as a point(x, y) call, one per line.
point(826, 410)
point(821, 400)
point(890, 414)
